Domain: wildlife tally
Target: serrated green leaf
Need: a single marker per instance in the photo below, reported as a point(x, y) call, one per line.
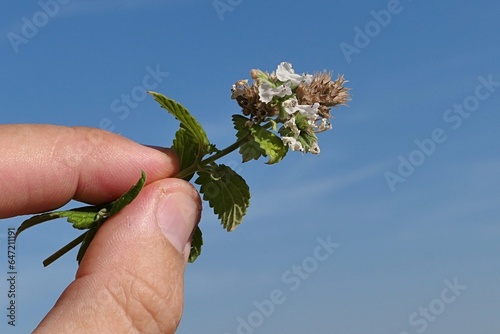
point(251, 149)
point(79, 218)
point(196, 244)
point(240, 125)
point(262, 141)
point(129, 196)
point(187, 150)
point(226, 192)
point(35, 220)
point(187, 120)
point(271, 144)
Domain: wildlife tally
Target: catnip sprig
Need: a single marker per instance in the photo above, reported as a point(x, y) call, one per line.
point(281, 111)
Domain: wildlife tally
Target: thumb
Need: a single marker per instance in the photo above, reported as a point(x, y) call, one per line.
point(131, 277)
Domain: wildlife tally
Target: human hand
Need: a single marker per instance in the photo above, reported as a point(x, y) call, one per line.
point(131, 277)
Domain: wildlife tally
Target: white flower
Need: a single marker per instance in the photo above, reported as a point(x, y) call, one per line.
point(291, 105)
point(309, 112)
point(323, 126)
point(314, 148)
point(292, 126)
point(286, 73)
point(293, 143)
point(267, 91)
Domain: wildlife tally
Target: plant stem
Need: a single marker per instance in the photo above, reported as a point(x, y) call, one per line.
point(199, 166)
point(64, 250)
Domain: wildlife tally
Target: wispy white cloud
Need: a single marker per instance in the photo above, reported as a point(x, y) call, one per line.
point(313, 188)
point(334, 183)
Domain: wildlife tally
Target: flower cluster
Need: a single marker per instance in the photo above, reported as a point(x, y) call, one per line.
point(300, 102)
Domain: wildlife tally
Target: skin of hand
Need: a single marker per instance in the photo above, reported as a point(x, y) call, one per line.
point(131, 278)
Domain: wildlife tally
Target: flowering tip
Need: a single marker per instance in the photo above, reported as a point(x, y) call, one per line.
point(301, 102)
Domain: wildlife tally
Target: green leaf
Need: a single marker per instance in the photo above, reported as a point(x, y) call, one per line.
point(262, 141)
point(35, 220)
point(187, 150)
point(226, 192)
point(251, 149)
point(240, 125)
point(81, 218)
point(187, 120)
point(88, 217)
point(271, 144)
point(129, 196)
point(196, 243)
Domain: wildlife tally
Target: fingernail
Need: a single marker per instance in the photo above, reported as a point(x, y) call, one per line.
point(177, 215)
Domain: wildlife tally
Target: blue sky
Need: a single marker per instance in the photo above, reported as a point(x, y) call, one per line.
point(406, 186)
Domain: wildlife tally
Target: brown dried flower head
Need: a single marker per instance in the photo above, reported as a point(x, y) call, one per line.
point(324, 91)
point(249, 100)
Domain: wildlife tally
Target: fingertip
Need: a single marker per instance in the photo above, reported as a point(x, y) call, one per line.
point(177, 215)
point(162, 217)
point(138, 257)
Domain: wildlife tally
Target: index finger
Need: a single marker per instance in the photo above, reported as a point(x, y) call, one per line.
point(43, 167)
